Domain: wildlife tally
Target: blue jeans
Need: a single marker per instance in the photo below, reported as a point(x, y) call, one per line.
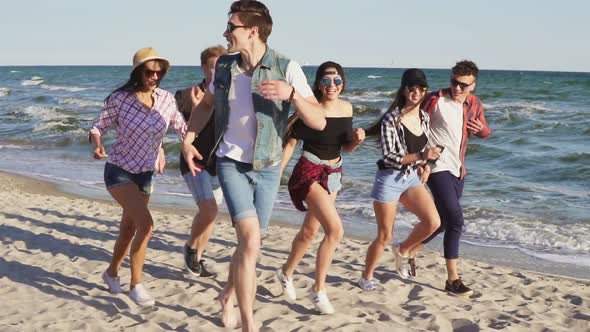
point(249, 193)
point(115, 176)
point(204, 187)
point(390, 184)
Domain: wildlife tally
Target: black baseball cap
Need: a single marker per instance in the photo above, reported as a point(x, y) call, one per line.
point(414, 77)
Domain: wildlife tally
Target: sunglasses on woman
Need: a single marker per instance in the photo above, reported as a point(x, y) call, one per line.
point(417, 88)
point(150, 73)
point(327, 81)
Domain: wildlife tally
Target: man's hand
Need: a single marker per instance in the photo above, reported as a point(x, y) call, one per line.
point(275, 90)
point(190, 153)
point(196, 96)
point(474, 126)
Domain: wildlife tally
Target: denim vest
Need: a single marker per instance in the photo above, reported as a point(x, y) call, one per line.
point(271, 115)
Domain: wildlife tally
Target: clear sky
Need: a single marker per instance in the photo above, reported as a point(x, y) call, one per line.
point(499, 34)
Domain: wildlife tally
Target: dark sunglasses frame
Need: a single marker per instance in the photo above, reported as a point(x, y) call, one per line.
point(231, 27)
point(150, 73)
point(327, 81)
point(415, 88)
point(461, 85)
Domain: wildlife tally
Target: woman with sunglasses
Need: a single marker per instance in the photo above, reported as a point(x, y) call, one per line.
point(402, 172)
point(316, 180)
point(140, 112)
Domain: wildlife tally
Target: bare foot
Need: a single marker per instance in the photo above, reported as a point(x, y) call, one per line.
point(228, 315)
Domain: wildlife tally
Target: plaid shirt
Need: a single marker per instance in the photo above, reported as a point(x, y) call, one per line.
point(472, 108)
point(139, 131)
point(305, 173)
point(393, 141)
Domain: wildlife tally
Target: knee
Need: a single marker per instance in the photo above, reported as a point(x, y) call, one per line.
point(145, 231)
point(335, 233)
point(383, 238)
point(208, 214)
point(127, 230)
point(433, 224)
point(250, 247)
point(307, 234)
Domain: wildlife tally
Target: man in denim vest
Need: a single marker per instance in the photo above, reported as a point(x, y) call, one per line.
point(252, 92)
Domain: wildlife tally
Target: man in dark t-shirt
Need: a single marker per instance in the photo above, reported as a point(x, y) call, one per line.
point(204, 186)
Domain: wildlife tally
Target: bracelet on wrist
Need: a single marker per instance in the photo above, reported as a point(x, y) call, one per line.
point(291, 95)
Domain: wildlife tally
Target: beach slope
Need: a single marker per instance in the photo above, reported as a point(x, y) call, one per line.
point(54, 248)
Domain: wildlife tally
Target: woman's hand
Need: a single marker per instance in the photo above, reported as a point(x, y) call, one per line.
point(431, 153)
point(161, 161)
point(424, 173)
point(359, 136)
point(99, 152)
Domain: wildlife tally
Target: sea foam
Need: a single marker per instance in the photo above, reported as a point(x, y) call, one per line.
point(64, 88)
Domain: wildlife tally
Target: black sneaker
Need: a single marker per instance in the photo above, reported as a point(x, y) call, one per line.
point(193, 265)
point(456, 287)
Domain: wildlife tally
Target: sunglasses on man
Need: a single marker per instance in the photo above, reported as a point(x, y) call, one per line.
point(231, 27)
point(461, 85)
point(327, 81)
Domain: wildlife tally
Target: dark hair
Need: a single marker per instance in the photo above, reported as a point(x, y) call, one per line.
point(321, 71)
point(398, 102)
point(465, 68)
point(135, 82)
point(210, 52)
point(253, 13)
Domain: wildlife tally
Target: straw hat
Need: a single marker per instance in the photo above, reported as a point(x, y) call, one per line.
point(146, 54)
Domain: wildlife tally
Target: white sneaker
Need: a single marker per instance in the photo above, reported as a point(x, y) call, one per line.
point(399, 261)
point(321, 302)
point(141, 296)
point(113, 283)
point(287, 284)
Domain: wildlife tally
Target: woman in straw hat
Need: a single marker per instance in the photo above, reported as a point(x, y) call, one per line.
point(140, 112)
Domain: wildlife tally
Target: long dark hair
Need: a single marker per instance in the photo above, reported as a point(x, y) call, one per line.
point(135, 82)
point(399, 102)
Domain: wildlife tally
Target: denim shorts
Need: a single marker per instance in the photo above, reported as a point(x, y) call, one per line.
point(334, 179)
point(248, 193)
point(204, 187)
point(115, 176)
point(389, 184)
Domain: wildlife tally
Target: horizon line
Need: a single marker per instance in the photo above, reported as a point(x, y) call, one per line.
point(307, 65)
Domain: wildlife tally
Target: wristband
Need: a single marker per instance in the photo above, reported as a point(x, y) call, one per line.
point(291, 95)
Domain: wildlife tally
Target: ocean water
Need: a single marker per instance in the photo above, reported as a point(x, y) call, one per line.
point(527, 186)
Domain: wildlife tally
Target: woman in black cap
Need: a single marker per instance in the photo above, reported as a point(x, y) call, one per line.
point(403, 170)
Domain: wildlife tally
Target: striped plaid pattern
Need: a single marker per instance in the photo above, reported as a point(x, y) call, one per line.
point(393, 141)
point(139, 131)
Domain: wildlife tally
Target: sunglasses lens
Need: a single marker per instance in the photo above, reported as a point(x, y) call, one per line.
point(326, 81)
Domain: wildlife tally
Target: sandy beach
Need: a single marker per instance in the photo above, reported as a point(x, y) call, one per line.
point(55, 246)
